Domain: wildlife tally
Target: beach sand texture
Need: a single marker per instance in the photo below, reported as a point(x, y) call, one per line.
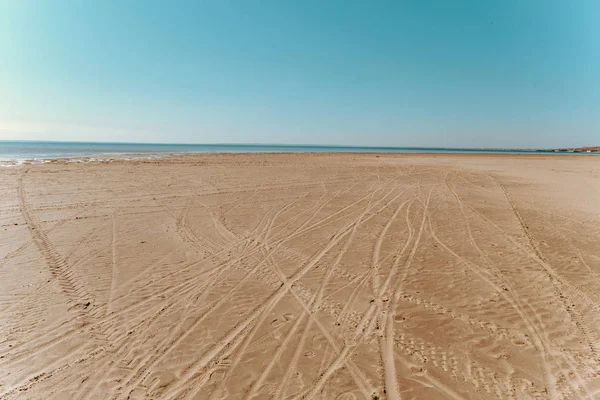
point(317, 276)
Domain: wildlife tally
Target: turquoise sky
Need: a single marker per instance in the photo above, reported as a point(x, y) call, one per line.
point(400, 73)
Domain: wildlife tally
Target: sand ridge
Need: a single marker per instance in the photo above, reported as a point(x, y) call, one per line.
point(321, 276)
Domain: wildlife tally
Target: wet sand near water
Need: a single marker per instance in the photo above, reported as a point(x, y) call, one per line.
point(301, 276)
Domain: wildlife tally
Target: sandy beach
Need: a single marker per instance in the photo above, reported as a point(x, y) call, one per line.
point(301, 276)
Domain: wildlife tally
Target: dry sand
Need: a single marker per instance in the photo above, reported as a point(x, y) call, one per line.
point(301, 276)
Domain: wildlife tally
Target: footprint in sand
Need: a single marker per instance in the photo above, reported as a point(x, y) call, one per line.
point(310, 354)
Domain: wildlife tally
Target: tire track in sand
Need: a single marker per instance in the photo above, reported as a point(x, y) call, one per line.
point(201, 365)
point(344, 353)
point(77, 296)
point(139, 377)
point(315, 303)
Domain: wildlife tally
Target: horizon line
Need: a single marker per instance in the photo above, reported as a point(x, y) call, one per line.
point(288, 145)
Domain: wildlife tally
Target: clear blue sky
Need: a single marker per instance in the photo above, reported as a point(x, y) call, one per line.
point(508, 73)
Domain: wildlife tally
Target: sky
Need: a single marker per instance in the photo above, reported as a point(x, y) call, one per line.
point(481, 73)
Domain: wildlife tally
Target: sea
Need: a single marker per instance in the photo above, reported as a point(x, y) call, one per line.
point(17, 152)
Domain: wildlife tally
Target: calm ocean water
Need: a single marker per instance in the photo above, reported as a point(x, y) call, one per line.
point(16, 152)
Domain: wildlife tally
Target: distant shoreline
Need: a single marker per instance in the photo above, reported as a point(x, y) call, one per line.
point(16, 152)
point(590, 149)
